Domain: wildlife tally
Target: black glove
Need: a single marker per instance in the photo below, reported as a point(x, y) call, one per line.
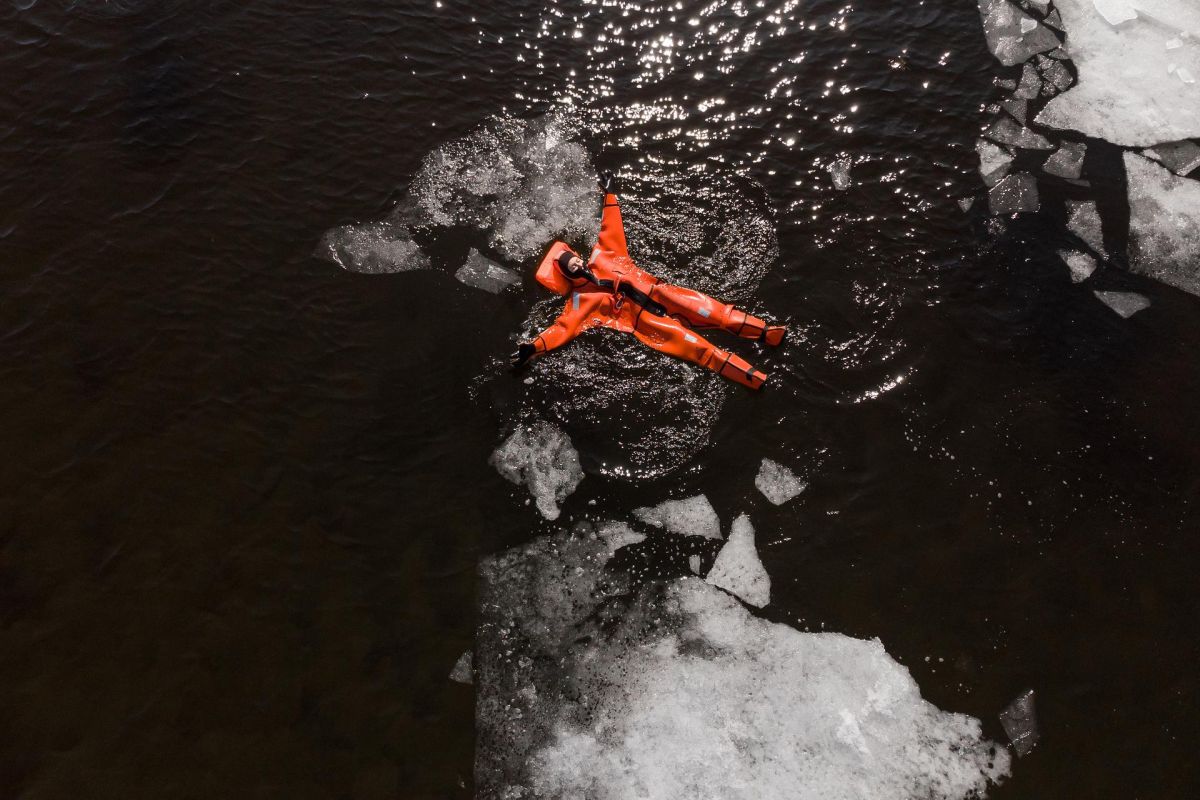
point(608, 182)
point(523, 353)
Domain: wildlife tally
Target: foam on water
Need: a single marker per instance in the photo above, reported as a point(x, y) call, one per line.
point(373, 248)
point(540, 456)
point(1164, 224)
point(692, 516)
point(1130, 91)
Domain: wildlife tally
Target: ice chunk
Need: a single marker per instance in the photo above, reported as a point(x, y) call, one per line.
point(540, 456)
point(1179, 157)
point(1164, 224)
point(373, 248)
point(1084, 221)
point(1030, 85)
point(1054, 20)
point(777, 483)
point(1185, 76)
point(1018, 108)
point(965, 203)
point(1080, 264)
point(483, 273)
point(693, 516)
point(1067, 161)
point(1173, 44)
point(994, 161)
point(1012, 35)
point(1020, 723)
point(1124, 303)
point(737, 569)
point(1005, 130)
point(694, 564)
point(1122, 94)
point(839, 170)
point(1055, 76)
point(1016, 194)
point(1115, 12)
point(462, 672)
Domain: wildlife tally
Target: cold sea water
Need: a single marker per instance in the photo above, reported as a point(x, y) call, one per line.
point(245, 491)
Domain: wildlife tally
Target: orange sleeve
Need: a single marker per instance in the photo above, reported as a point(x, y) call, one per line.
point(573, 321)
point(612, 230)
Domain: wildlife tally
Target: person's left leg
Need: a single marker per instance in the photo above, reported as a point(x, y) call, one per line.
point(668, 335)
point(700, 311)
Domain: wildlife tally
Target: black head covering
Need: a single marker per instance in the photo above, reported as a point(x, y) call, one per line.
point(564, 261)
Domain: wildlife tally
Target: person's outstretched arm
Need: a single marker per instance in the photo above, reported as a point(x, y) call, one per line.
point(569, 324)
point(612, 230)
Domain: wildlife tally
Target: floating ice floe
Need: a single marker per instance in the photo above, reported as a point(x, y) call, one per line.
point(1005, 130)
point(693, 516)
point(1016, 194)
point(1030, 85)
point(540, 456)
point(481, 272)
point(1124, 303)
point(373, 248)
point(777, 483)
point(1013, 36)
point(738, 569)
point(1129, 91)
point(1055, 77)
point(1164, 224)
point(1017, 108)
point(994, 161)
point(1080, 264)
point(585, 688)
point(462, 672)
point(839, 170)
point(1179, 157)
point(1067, 161)
point(1084, 221)
point(1019, 721)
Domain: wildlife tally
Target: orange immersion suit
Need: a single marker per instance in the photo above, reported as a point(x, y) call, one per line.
point(615, 293)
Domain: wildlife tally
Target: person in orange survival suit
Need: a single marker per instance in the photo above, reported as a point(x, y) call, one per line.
point(611, 291)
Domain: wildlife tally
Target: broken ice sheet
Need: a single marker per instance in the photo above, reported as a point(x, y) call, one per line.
point(1055, 75)
point(540, 456)
point(1084, 221)
point(777, 483)
point(1179, 157)
point(1124, 303)
point(1164, 224)
point(1017, 108)
point(1067, 161)
point(738, 570)
point(1080, 264)
point(1012, 35)
point(1016, 194)
point(1030, 85)
point(1019, 721)
point(692, 516)
point(1005, 130)
point(482, 273)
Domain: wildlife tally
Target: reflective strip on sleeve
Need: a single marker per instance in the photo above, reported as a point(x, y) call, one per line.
point(704, 312)
point(687, 337)
point(575, 301)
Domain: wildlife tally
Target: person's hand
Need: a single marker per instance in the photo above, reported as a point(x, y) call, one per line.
point(523, 353)
point(608, 182)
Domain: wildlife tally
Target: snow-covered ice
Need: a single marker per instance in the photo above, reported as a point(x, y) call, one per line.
point(1126, 93)
point(1005, 130)
point(994, 161)
point(1030, 85)
point(1124, 303)
point(1067, 161)
point(463, 672)
point(1084, 221)
point(587, 687)
point(692, 516)
point(481, 272)
point(1013, 36)
point(1080, 264)
point(777, 483)
point(1016, 194)
point(540, 456)
point(1164, 224)
point(738, 569)
point(1179, 157)
point(1019, 721)
point(373, 248)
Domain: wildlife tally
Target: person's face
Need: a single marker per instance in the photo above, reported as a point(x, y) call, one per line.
point(576, 263)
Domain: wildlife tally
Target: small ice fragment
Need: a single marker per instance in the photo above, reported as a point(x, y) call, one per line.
point(693, 516)
point(738, 570)
point(1028, 24)
point(541, 457)
point(694, 564)
point(462, 672)
point(1185, 75)
point(1020, 723)
point(1171, 68)
point(482, 273)
point(1005, 130)
point(1040, 5)
point(965, 203)
point(1030, 85)
point(1054, 20)
point(1173, 44)
point(1017, 107)
point(777, 483)
point(840, 171)
point(1056, 75)
point(1084, 221)
point(1067, 162)
point(1080, 264)
point(1006, 85)
point(994, 161)
point(1016, 194)
point(1115, 11)
point(1058, 54)
point(1124, 303)
point(1179, 157)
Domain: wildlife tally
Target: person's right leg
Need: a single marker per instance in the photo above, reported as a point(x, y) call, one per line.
point(668, 335)
point(701, 311)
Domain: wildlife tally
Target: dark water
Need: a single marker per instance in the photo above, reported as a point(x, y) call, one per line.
point(245, 492)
